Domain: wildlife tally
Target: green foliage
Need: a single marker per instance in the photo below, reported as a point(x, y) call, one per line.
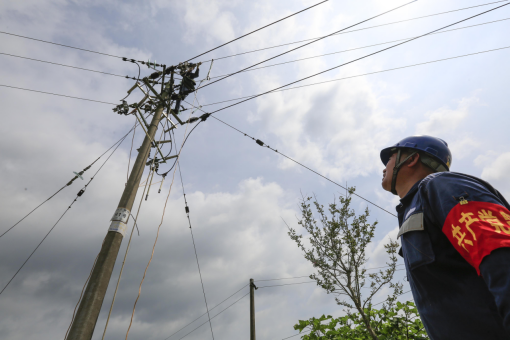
point(336, 246)
point(399, 322)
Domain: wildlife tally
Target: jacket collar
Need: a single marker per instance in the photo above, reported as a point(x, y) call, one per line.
point(409, 196)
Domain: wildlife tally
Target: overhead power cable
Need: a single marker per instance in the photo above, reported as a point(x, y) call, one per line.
point(249, 33)
point(303, 331)
point(262, 144)
point(69, 183)
point(51, 93)
point(357, 59)
point(360, 29)
point(299, 47)
point(68, 46)
point(216, 315)
point(58, 64)
point(297, 87)
point(366, 74)
point(278, 279)
point(206, 313)
point(358, 48)
point(406, 292)
point(281, 285)
point(80, 193)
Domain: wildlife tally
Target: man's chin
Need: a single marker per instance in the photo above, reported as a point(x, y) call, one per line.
point(384, 186)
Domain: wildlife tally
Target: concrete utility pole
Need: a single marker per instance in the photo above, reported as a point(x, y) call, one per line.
point(88, 312)
point(252, 310)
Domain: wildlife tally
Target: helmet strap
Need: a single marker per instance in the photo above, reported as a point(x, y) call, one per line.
point(397, 166)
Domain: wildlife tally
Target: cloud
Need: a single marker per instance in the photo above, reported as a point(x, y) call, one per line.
point(338, 130)
point(495, 170)
point(443, 121)
point(207, 19)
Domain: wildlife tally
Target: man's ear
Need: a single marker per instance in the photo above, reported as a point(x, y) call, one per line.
point(414, 160)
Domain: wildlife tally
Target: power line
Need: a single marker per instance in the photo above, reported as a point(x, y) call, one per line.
point(278, 279)
point(272, 91)
point(51, 93)
point(296, 48)
point(281, 285)
point(303, 331)
point(358, 48)
point(205, 313)
point(80, 193)
point(216, 315)
point(360, 29)
point(69, 183)
point(366, 74)
point(49, 42)
point(265, 145)
point(386, 300)
point(303, 10)
point(262, 144)
point(357, 59)
point(70, 66)
point(193, 239)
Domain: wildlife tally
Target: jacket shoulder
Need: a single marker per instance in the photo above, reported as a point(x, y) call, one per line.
point(452, 186)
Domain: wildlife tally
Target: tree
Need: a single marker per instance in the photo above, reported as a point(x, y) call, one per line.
point(400, 322)
point(337, 250)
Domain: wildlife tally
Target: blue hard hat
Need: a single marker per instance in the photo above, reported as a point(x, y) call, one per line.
point(436, 153)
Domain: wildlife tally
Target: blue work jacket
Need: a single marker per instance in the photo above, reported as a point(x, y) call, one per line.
point(454, 231)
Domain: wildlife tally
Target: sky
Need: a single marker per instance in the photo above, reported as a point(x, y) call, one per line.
point(241, 196)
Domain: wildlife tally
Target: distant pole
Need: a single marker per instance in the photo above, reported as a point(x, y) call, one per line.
point(90, 306)
point(252, 310)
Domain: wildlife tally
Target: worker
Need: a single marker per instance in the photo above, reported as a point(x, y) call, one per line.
point(454, 233)
point(187, 86)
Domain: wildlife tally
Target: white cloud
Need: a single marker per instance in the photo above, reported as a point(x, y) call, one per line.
point(443, 121)
point(209, 20)
point(495, 170)
point(337, 129)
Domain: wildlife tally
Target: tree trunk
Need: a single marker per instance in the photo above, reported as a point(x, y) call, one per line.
point(367, 321)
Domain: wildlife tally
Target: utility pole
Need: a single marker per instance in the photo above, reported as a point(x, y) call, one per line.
point(88, 312)
point(252, 310)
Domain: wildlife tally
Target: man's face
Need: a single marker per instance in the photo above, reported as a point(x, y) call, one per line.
point(386, 182)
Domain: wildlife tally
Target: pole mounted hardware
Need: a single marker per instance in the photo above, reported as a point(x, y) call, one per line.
point(156, 160)
point(79, 174)
point(172, 123)
point(146, 130)
point(165, 141)
point(146, 81)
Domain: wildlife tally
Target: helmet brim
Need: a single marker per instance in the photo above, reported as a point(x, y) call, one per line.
point(386, 153)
